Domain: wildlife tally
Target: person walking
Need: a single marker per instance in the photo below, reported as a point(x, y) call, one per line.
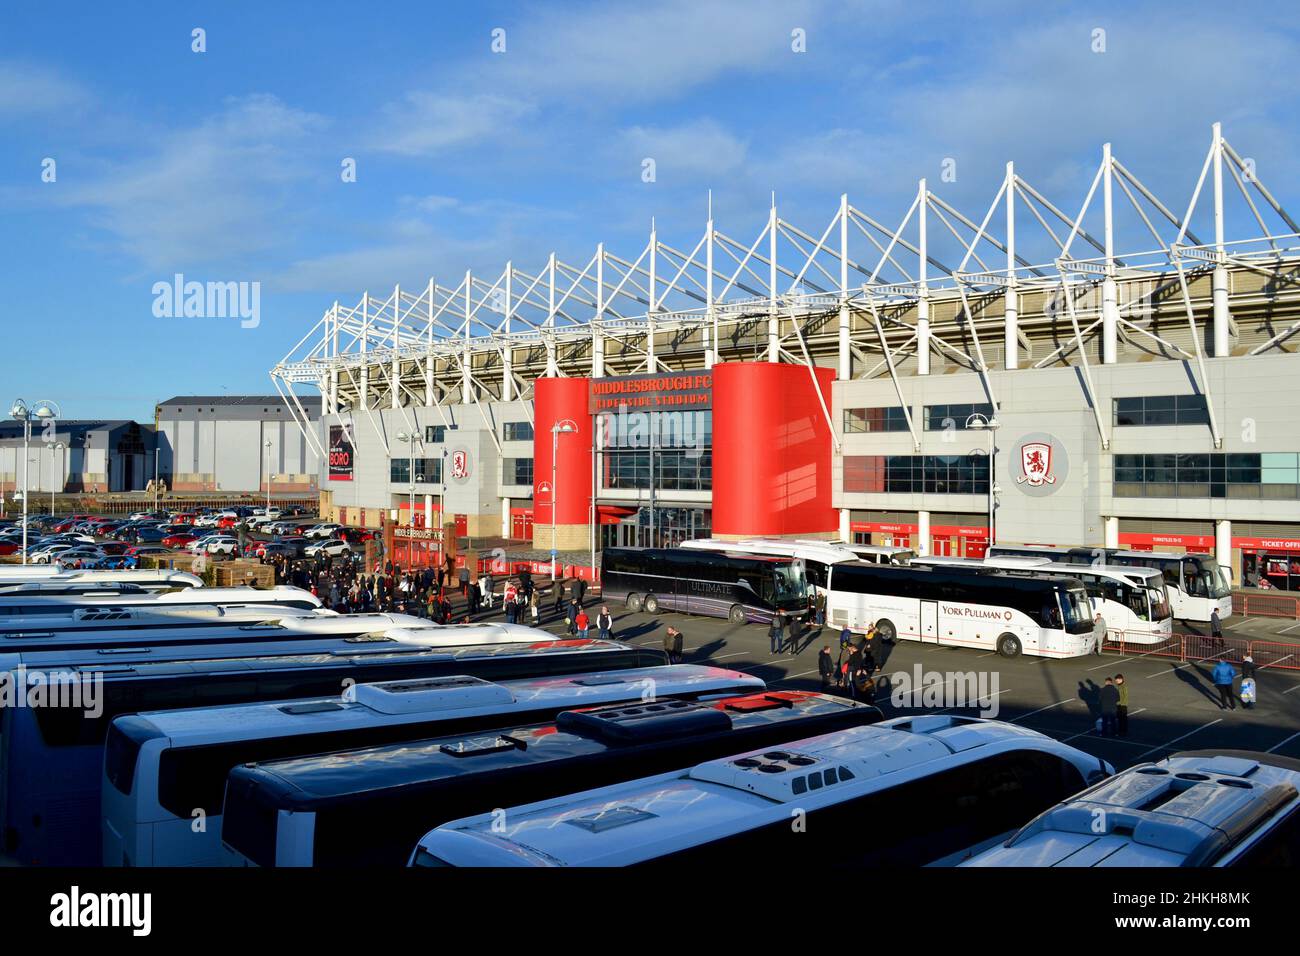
point(852, 671)
point(604, 623)
point(826, 667)
point(821, 609)
point(1109, 700)
point(571, 617)
point(1216, 627)
point(485, 590)
point(1249, 687)
point(559, 594)
point(534, 601)
point(776, 632)
point(1223, 676)
point(1121, 711)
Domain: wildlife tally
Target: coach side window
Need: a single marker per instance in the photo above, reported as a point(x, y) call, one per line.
point(1279, 847)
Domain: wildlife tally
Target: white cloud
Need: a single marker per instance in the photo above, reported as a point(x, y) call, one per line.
point(209, 194)
point(621, 53)
point(428, 123)
point(697, 148)
point(30, 89)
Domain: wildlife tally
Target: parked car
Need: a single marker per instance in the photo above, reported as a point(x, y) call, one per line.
point(179, 540)
point(221, 544)
point(113, 548)
point(358, 535)
point(322, 531)
point(330, 547)
point(141, 550)
point(290, 548)
point(76, 557)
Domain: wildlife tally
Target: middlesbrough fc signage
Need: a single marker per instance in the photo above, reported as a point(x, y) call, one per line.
point(678, 391)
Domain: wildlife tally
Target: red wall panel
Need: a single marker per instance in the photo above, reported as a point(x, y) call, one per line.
point(556, 400)
point(771, 450)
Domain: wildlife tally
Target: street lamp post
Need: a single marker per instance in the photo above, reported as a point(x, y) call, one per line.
point(56, 477)
point(981, 422)
point(267, 445)
point(44, 411)
point(565, 427)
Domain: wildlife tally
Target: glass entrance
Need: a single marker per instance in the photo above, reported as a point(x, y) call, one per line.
point(671, 526)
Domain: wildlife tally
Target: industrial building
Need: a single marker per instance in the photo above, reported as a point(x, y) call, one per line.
point(236, 444)
point(77, 456)
point(1126, 376)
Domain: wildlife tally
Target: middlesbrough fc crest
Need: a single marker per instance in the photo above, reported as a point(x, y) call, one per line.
point(1036, 464)
point(460, 464)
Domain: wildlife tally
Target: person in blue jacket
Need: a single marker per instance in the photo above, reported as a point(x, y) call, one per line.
point(1223, 675)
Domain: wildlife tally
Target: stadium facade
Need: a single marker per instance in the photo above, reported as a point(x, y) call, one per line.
point(1128, 370)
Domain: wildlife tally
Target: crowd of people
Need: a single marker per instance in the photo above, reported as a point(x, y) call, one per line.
point(442, 594)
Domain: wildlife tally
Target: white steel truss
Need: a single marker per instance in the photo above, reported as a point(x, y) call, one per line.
point(858, 295)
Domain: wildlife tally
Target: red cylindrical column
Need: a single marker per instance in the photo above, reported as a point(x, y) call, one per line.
point(562, 400)
point(771, 450)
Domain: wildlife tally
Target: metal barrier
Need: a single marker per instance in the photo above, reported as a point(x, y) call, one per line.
point(1264, 604)
point(1193, 648)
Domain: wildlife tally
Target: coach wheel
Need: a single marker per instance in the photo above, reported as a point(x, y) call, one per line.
point(736, 615)
point(887, 631)
point(1009, 645)
point(634, 602)
point(651, 604)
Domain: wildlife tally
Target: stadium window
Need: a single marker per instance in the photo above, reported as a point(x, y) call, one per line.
point(954, 417)
point(864, 420)
point(1161, 410)
point(518, 431)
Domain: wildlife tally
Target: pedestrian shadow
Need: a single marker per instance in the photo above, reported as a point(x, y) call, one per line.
point(1090, 693)
point(705, 651)
point(1199, 680)
point(636, 630)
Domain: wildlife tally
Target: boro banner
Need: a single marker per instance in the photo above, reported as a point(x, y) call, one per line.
point(340, 463)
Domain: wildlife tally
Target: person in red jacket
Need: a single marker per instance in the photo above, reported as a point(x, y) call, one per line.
point(582, 622)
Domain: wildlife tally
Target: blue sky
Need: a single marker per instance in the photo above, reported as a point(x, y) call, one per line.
point(225, 165)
